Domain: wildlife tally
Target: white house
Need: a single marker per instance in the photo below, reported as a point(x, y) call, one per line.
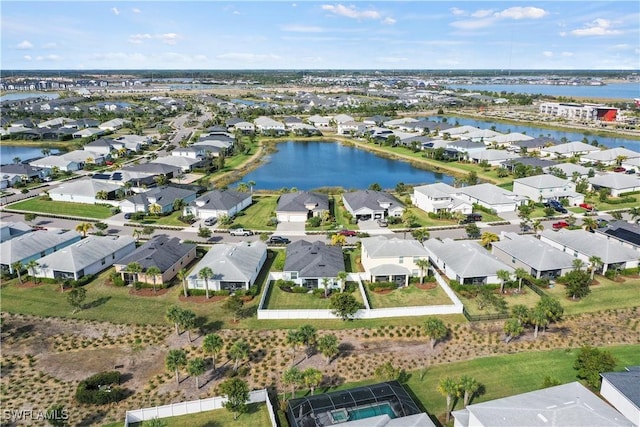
point(85, 190)
point(392, 260)
point(491, 196)
point(570, 149)
point(217, 203)
point(266, 124)
point(610, 157)
point(114, 124)
point(370, 204)
point(618, 183)
point(59, 162)
point(492, 157)
point(439, 197)
point(621, 390)
point(300, 206)
point(541, 188)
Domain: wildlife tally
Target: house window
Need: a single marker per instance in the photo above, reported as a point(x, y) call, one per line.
point(513, 260)
point(416, 259)
point(294, 275)
point(104, 261)
point(401, 259)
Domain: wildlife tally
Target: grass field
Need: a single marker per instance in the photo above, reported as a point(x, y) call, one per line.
point(171, 219)
point(410, 296)
point(604, 206)
point(257, 215)
point(338, 211)
point(278, 299)
point(62, 208)
point(257, 415)
point(527, 298)
point(352, 260)
point(424, 220)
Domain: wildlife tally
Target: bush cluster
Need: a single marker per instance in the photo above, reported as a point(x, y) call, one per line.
point(98, 389)
point(377, 286)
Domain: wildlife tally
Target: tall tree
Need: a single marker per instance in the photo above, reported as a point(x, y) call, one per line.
point(31, 266)
point(134, 268)
point(212, 344)
point(423, 265)
point(308, 337)
point(469, 387)
point(154, 272)
point(577, 283)
point(294, 339)
point(84, 228)
point(448, 388)
point(538, 318)
point(155, 209)
point(328, 346)
point(488, 238)
point(17, 268)
point(312, 378)
point(234, 305)
point(521, 313)
point(76, 297)
point(344, 305)
point(237, 393)
point(205, 274)
point(435, 329)
point(182, 276)
point(176, 359)
point(520, 273)
point(292, 377)
point(188, 321)
point(239, 351)
point(595, 263)
point(196, 368)
point(173, 315)
point(342, 277)
point(504, 277)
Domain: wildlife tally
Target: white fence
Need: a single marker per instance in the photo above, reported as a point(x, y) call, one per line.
point(194, 407)
point(367, 313)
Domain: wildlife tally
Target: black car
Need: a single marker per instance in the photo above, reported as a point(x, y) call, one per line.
point(127, 215)
point(557, 206)
point(278, 240)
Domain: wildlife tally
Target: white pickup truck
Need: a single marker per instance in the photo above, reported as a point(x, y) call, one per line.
point(240, 232)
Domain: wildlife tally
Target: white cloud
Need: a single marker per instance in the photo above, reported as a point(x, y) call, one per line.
point(25, 45)
point(598, 27)
point(236, 12)
point(547, 53)
point(522, 13)
point(139, 38)
point(168, 38)
point(482, 13)
point(27, 57)
point(115, 11)
point(562, 33)
point(457, 12)
point(294, 5)
point(473, 24)
point(136, 10)
point(50, 45)
point(295, 28)
point(391, 59)
point(354, 13)
point(247, 57)
point(48, 58)
point(389, 21)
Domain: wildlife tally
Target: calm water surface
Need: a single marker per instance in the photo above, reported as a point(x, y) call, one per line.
point(624, 91)
point(10, 152)
point(309, 165)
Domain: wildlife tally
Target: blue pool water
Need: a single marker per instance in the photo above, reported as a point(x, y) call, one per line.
point(371, 411)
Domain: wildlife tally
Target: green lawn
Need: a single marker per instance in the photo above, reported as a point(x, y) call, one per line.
point(62, 208)
point(278, 299)
point(352, 260)
point(605, 296)
point(338, 211)
point(527, 297)
point(604, 206)
point(171, 219)
point(408, 297)
point(257, 415)
point(257, 215)
point(423, 219)
point(488, 217)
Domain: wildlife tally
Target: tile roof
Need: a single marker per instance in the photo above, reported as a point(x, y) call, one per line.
point(314, 259)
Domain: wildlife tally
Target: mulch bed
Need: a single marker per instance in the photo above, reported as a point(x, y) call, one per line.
point(146, 292)
point(383, 291)
point(201, 299)
point(28, 284)
point(426, 286)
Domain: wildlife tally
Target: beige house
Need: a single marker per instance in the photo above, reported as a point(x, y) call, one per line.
point(392, 260)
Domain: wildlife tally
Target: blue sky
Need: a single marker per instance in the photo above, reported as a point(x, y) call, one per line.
point(320, 35)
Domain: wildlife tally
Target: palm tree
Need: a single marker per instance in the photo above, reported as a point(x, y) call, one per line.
point(520, 273)
point(196, 368)
point(212, 344)
point(45, 151)
point(469, 386)
point(17, 160)
point(205, 274)
point(153, 271)
point(435, 329)
point(173, 315)
point(238, 351)
point(487, 238)
point(328, 346)
point(538, 317)
point(537, 226)
point(325, 285)
point(293, 377)
point(504, 277)
point(342, 277)
point(293, 339)
point(187, 320)
point(589, 224)
point(634, 212)
point(182, 275)
point(577, 264)
point(32, 265)
point(423, 265)
point(17, 267)
point(242, 187)
point(134, 268)
point(312, 378)
point(596, 263)
point(137, 233)
point(155, 209)
point(251, 184)
point(102, 195)
point(449, 388)
point(84, 228)
point(175, 360)
point(161, 180)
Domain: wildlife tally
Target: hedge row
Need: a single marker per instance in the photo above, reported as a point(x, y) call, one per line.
point(98, 389)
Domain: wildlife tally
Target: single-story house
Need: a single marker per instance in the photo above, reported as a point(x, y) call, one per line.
point(103, 146)
point(217, 203)
point(114, 124)
point(583, 245)
point(457, 132)
point(84, 190)
point(234, 265)
point(88, 256)
point(439, 197)
point(166, 253)
point(82, 157)
point(131, 142)
point(192, 151)
point(569, 149)
point(465, 261)
point(351, 127)
point(541, 188)
point(535, 144)
point(245, 128)
point(540, 260)
point(616, 182)
point(491, 156)
point(531, 162)
point(89, 132)
point(569, 169)
point(165, 196)
point(466, 146)
point(310, 264)
point(186, 164)
point(319, 121)
point(300, 206)
point(33, 246)
point(492, 197)
point(569, 404)
point(10, 230)
point(59, 162)
point(507, 140)
point(392, 260)
point(621, 390)
point(22, 172)
point(267, 124)
point(625, 232)
point(370, 204)
point(481, 135)
point(610, 157)
point(342, 118)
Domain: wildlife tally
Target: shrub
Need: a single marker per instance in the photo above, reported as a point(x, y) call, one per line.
point(394, 220)
point(187, 219)
point(299, 290)
point(281, 283)
point(317, 292)
point(98, 389)
point(314, 221)
point(377, 286)
point(116, 279)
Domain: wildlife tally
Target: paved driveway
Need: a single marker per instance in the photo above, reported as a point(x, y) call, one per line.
point(371, 226)
point(290, 228)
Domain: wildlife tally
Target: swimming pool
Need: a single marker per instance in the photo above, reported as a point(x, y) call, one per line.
point(363, 412)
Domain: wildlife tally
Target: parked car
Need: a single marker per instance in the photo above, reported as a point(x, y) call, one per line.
point(278, 240)
point(557, 206)
point(347, 233)
point(210, 221)
point(560, 224)
point(586, 206)
point(630, 171)
point(127, 215)
point(382, 222)
point(240, 232)
point(619, 169)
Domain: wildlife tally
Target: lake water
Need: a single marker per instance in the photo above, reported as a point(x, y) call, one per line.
point(623, 91)
point(310, 165)
point(535, 132)
point(24, 95)
point(9, 152)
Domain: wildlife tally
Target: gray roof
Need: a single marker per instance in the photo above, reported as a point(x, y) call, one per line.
point(568, 169)
point(490, 194)
point(82, 254)
point(533, 252)
point(161, 251)
point(543, 181)
point(623, 230)
point(370, 199)
point(437, 190)
point(592, 244)
point(152, 168)
point(465, 144)
point(84, 187)
point(163, 196)
point(314, 259)
point(19, 169)
point(626, 383)
point(536, 142)
point(530, 161)
point(102, 142)
point(31, 244)
point(232, 262)
point(615, 180)
point(179, 161)
point(493, 155)
point(9, 230)
point(560, 406)
point(382, 247)
point(220, 200)
point(303, 201)
point(466, 258)
point(571, 147)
